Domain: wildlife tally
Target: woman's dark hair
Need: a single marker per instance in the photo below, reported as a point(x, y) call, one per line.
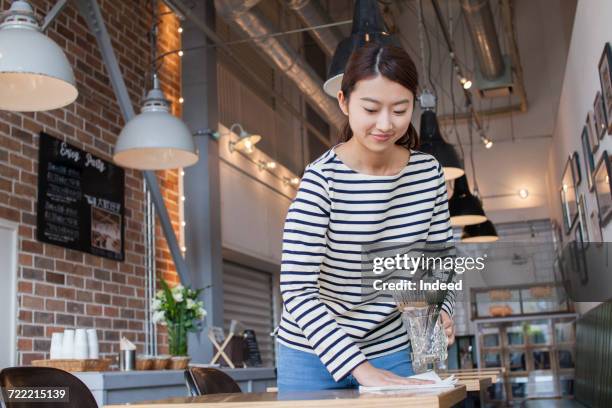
point(391, 62)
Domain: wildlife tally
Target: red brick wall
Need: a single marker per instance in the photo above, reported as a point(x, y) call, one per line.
point(60, 288)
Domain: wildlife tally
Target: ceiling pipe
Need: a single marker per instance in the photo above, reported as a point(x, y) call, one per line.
point(481, 26)
point(508, 21)
point(287, 60)
point(312, 15)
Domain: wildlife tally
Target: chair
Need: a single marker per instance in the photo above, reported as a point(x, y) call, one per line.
point(79, 395)
point(205, 380)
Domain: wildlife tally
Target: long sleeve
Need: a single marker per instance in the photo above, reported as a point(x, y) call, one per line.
point(441, 231)
point(304, 246)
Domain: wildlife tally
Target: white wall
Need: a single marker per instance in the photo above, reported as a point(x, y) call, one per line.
point(591, 30)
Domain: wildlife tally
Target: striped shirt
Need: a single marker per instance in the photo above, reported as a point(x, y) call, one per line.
point(337, 210)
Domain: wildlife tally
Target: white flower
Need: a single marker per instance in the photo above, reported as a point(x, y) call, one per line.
point(201, 313)
point(178, 296)
point(191, 304)
point(159, 294)
point(159, 317)
point(156, 305)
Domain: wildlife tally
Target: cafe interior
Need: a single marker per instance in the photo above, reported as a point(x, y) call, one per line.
point(150, 150)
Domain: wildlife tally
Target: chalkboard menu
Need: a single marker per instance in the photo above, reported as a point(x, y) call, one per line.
point(80, 200)
point(252, 354)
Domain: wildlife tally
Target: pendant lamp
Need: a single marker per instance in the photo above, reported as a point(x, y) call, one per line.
point(35, 74)
point(464, 207)
point(368, 25)
point(431, 142)
point(155, 139)
point(483, 232)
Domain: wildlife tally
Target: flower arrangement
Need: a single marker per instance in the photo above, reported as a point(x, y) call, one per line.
point(180, 310)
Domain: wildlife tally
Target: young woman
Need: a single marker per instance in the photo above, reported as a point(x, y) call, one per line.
point(372, 187)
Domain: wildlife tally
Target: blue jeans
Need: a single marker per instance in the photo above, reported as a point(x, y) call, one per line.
point(301, 371)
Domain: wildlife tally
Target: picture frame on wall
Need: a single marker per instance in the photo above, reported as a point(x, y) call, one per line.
point(579, 256)
point(605, 78)
point(591, 129)
point(589, 160)
point(603, 188)
point(600, 116)
point(576, 169)
point(569, 202)
point(582, 216)
point(596, 235)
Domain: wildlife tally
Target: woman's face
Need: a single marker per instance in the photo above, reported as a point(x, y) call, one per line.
point(379, 112)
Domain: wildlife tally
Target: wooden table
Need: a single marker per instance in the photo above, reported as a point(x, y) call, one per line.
point(316, 399)
point(476, 383)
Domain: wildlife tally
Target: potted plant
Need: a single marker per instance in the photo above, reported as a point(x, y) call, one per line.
point(178, 309)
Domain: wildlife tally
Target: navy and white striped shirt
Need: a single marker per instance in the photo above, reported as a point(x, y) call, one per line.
point(335, 212)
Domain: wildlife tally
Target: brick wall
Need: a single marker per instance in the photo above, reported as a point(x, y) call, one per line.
point(60, 288)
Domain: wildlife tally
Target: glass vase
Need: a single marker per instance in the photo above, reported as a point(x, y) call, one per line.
point(177, 339)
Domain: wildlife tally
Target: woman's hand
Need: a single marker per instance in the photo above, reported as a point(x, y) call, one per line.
point(369, 376)
point(449, 327)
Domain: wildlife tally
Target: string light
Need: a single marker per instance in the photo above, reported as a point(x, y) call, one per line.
point(181, 100)
point(180, 30)
point(180, 53)
point(467, 84)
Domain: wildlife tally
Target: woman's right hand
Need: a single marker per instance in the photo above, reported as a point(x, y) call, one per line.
point(369, 376)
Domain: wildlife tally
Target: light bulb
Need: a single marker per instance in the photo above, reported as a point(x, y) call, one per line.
point(180, 30)
point(182, 198)
point(467, 84)
point(523, 193)
point(180, 53)
point(295, 181)
point(487, 142)
point(271, 165)
point(183, 223)
point(181, 100)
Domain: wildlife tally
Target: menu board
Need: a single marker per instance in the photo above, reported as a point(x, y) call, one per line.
point(80, 200)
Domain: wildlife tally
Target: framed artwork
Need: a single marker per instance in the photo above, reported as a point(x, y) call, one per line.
point(576, 169)
point(589, 160)
point(596, 235)
point(579, 257)
point(605, 77)
point(591, 128)
point(582, 217)
point(600, 116)
point(603, 191)
point(569, 204)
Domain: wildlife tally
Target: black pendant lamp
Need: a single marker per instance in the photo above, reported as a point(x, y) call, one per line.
point(431, 142)
point(368, 25)
point(464, 207)
point(477, 233)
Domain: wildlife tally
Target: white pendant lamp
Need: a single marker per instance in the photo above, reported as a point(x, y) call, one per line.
point(35, 74)
point(155, 139)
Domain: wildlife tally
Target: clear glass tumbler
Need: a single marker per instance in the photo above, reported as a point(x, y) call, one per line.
point(429, 342)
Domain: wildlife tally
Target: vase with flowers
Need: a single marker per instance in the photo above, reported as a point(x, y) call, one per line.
point(178, 309)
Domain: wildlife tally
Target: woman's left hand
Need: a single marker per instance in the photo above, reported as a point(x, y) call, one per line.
point(449, 327)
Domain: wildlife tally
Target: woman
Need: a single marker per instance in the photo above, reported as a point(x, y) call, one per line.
point(372, 187)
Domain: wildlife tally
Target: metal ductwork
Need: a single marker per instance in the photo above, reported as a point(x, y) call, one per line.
point(254, 25)
point(481, 26)
point(312, 15)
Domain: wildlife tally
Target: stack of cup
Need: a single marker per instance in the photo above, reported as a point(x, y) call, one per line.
point(78, 344)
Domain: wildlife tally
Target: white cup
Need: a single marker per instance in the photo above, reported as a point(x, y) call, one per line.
point(92, 341)
point(68, 344)
point(56, 346)
point(81, 350)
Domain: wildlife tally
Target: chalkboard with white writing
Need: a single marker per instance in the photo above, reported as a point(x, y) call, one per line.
point(80, 200)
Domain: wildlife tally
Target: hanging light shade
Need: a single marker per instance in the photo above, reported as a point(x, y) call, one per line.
point(483, 232)
point(155, 139)
point(431, 142)
point(464, 207)
point(368, 25)
point(35, 74)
